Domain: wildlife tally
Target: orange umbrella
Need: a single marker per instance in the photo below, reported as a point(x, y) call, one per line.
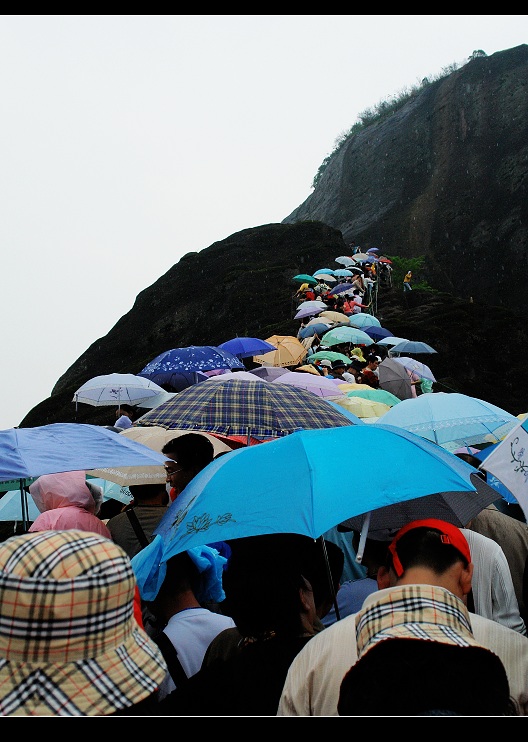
point(290, 352)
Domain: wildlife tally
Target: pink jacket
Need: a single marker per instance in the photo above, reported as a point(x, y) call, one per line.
point(65, 503)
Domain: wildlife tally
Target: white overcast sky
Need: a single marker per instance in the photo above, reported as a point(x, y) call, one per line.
point(128, 141)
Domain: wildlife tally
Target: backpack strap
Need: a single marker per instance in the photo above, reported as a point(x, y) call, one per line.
point(138, 530)
point(170, 654)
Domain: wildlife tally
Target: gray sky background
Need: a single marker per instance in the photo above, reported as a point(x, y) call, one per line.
point(128, 141)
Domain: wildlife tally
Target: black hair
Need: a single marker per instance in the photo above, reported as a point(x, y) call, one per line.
point(126, 408)
point(190, 451)
point(146, 491)
point(262, 583)
point(423, 547)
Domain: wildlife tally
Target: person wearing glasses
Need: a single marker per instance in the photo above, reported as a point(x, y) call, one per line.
point(186, 455)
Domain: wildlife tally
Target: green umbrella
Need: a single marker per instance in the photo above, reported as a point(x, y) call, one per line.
point(328, 355)
point(352, 335)
point(305, 278)
point(376, 395)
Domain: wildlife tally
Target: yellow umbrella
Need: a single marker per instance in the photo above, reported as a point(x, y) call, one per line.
point(351, 387)
point(332, 316)
point(290, 351)
point(362, 407)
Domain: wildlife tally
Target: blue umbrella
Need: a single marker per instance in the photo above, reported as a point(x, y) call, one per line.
point(191, 358)
point(377, 333)
point(283, 486)
point(318, 329)
point(503, 491)
point(413, 346)
point(245, 347)
point(26, 453)
point(451, 420)
point(341, 288)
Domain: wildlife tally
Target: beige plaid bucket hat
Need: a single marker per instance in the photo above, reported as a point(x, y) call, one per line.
point(415, 612)
point(69, 643)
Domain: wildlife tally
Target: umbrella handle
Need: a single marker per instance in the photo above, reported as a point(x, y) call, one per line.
point(363, 538)
point(330, 580)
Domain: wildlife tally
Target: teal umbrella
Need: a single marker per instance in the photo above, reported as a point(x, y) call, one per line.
point(305, 278)
point(283, 486)
point(345, 334)
point(376, 395)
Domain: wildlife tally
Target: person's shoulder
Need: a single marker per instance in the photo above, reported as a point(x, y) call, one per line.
point(486, 630)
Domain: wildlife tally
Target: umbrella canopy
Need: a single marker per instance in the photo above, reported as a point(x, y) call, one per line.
point(152, 402)
point(268, 373)
point(245, 347)
point(342, 288)
point(363, 408)
point(390, 341)
point(343, 273)
point(323, 272)
point(328, 315)
point(342, 411)
point(116, 389)
point(326, 277)
point(190, 358)
point(377, 333)
point(451, 420)
point(58, 447)
point(155, 438)
point(11, 507)
point(314, 383)
point(289, 351)
point(313, 304)
point(318, 328)
point(308, 311)
point(362, 320)
point(394, 379)
point(338, 335)
point(345, 260)
point(418, 368)
point(376, 395)
point(328, 355)
point(215, 505)
point(413, 346)
point(257, 408)
point(305, 278)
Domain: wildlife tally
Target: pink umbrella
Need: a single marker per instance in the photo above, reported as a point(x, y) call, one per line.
point(316, 384)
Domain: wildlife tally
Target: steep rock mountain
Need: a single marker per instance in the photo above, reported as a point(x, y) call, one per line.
point(445, 176)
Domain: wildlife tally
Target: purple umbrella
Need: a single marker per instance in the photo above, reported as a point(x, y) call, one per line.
point(342, 288)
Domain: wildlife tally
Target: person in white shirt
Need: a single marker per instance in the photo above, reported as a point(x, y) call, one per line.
point(314, 678)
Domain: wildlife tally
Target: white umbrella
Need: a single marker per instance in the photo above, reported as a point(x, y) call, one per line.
point(116, 389)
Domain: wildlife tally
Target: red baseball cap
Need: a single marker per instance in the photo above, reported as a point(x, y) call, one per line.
point(450, 534)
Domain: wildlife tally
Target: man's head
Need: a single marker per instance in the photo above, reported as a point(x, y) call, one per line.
point(372, 361)
point(149, 494)
point(125, 409)
point(187, 455)
point(338, 367)
point(432, 552)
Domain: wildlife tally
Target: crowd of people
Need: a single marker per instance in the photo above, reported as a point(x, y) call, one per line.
point(431, 622)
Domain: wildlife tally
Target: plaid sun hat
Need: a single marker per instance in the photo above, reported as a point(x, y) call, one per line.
point(423, 612)
point(69, 643)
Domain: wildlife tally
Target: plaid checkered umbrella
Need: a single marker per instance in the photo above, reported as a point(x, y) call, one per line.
point(241, 407)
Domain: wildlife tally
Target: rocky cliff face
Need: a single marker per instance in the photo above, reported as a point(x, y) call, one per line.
point(445, 177)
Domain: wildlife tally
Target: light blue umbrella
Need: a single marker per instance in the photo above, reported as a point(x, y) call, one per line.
point(285, 486)
point(26, 453)
point(363, 319)
point(451, 420)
